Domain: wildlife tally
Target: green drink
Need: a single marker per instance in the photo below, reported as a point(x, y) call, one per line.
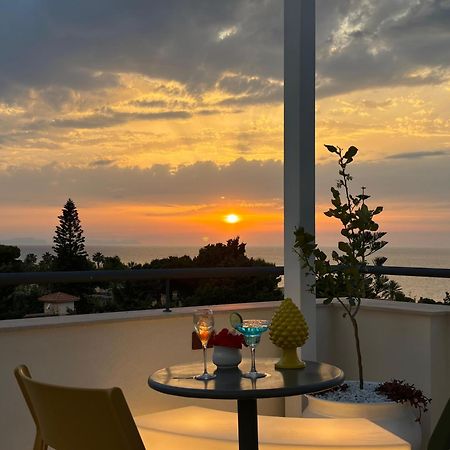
point(252, 330)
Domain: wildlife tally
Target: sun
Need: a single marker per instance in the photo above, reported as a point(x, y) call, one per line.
point(232, 218)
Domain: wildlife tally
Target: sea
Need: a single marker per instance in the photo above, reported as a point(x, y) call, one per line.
point(414, 287)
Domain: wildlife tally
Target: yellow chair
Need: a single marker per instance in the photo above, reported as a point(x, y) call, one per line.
point(69, 418)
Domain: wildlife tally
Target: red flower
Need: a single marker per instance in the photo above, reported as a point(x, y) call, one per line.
point(228, 339)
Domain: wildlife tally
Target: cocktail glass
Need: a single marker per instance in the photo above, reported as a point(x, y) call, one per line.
point(252, 330)
point(204, 326)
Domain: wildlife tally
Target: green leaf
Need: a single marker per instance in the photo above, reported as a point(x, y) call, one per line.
point(302, 237)
point(331, 148)
point(344, 247)
point(351, 152)
point(320, 255)
point(364, 214)
point(335, 192)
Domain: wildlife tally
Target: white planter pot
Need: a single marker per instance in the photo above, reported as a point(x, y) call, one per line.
point(397, 418)
point(226, 357)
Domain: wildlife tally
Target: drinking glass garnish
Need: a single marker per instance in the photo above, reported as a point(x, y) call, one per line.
point(203, 326)
point(252, 330)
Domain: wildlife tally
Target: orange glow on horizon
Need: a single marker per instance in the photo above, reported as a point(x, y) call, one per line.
point(194, 225)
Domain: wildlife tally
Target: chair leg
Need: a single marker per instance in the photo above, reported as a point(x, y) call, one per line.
point(39, 444)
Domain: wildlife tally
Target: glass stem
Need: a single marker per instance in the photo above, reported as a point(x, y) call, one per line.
point(205, 370)
point(252, 353)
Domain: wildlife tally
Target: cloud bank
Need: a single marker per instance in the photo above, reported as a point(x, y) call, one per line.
point(159, 184)
point(85, 46)
point(415, 180)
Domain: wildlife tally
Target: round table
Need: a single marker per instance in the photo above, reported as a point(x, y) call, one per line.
point(228, 384)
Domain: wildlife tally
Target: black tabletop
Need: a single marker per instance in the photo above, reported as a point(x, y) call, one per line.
point(178, 380)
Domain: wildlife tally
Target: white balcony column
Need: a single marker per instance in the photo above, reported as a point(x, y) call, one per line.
point(299, 156)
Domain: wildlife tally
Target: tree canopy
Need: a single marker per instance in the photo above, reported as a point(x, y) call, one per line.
point(69, 241)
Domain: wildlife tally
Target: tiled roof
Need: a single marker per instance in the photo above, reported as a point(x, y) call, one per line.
point(58, 297)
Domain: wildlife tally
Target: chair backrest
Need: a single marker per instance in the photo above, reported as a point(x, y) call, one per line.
point(440, 438)
point(69, 418)
point(20, 372)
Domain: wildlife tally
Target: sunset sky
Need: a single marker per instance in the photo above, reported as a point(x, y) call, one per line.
point(161, 118)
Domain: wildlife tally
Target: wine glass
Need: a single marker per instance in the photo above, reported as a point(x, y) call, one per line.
point(203, 326)
point(252, 330)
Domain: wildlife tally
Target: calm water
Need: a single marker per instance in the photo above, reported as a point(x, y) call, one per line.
point(397, 256)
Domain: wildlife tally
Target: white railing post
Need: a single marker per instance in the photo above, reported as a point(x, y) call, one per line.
point(299, 156)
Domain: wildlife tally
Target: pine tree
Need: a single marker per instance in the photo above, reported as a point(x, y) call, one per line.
point(69, 240)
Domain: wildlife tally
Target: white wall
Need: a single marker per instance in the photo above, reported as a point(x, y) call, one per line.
point(398, 340)
point(59, 309)
point(105, 350)
point(123, 349)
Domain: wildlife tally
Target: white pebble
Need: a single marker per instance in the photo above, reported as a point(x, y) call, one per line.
point(354, 394)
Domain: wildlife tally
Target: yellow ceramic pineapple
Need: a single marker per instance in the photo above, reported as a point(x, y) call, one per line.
point(288, 331)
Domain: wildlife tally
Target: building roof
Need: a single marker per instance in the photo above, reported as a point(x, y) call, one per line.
point(58, 297)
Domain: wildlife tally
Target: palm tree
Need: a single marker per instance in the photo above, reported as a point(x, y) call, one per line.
point(379, 283)
point(446, 299)
point(47, 261)
point(98, 258)
point(393, 291)
point(30, 260)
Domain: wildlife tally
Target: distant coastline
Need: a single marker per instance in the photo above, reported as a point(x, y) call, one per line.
point(397, 256)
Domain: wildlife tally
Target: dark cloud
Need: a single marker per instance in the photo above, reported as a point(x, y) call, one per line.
point(102, 163)
point(57, 98)
point(84, 45)
point(54, 43)
point(28, 138)
point(419, 155)
point(246, 85)
point(415, 182)
point(159, 184)
point(372, 104)
point(207, 112)
point(410, 181)
point(172, 103)
point(150, 103)
point(116, 118)
point(275, 97)
point(364, 44)
point(245, 90)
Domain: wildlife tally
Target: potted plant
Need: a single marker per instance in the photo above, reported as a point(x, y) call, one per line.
point(341, 278)
point(227, 349)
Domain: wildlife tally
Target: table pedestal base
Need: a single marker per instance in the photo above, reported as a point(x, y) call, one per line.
point(248, 424)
